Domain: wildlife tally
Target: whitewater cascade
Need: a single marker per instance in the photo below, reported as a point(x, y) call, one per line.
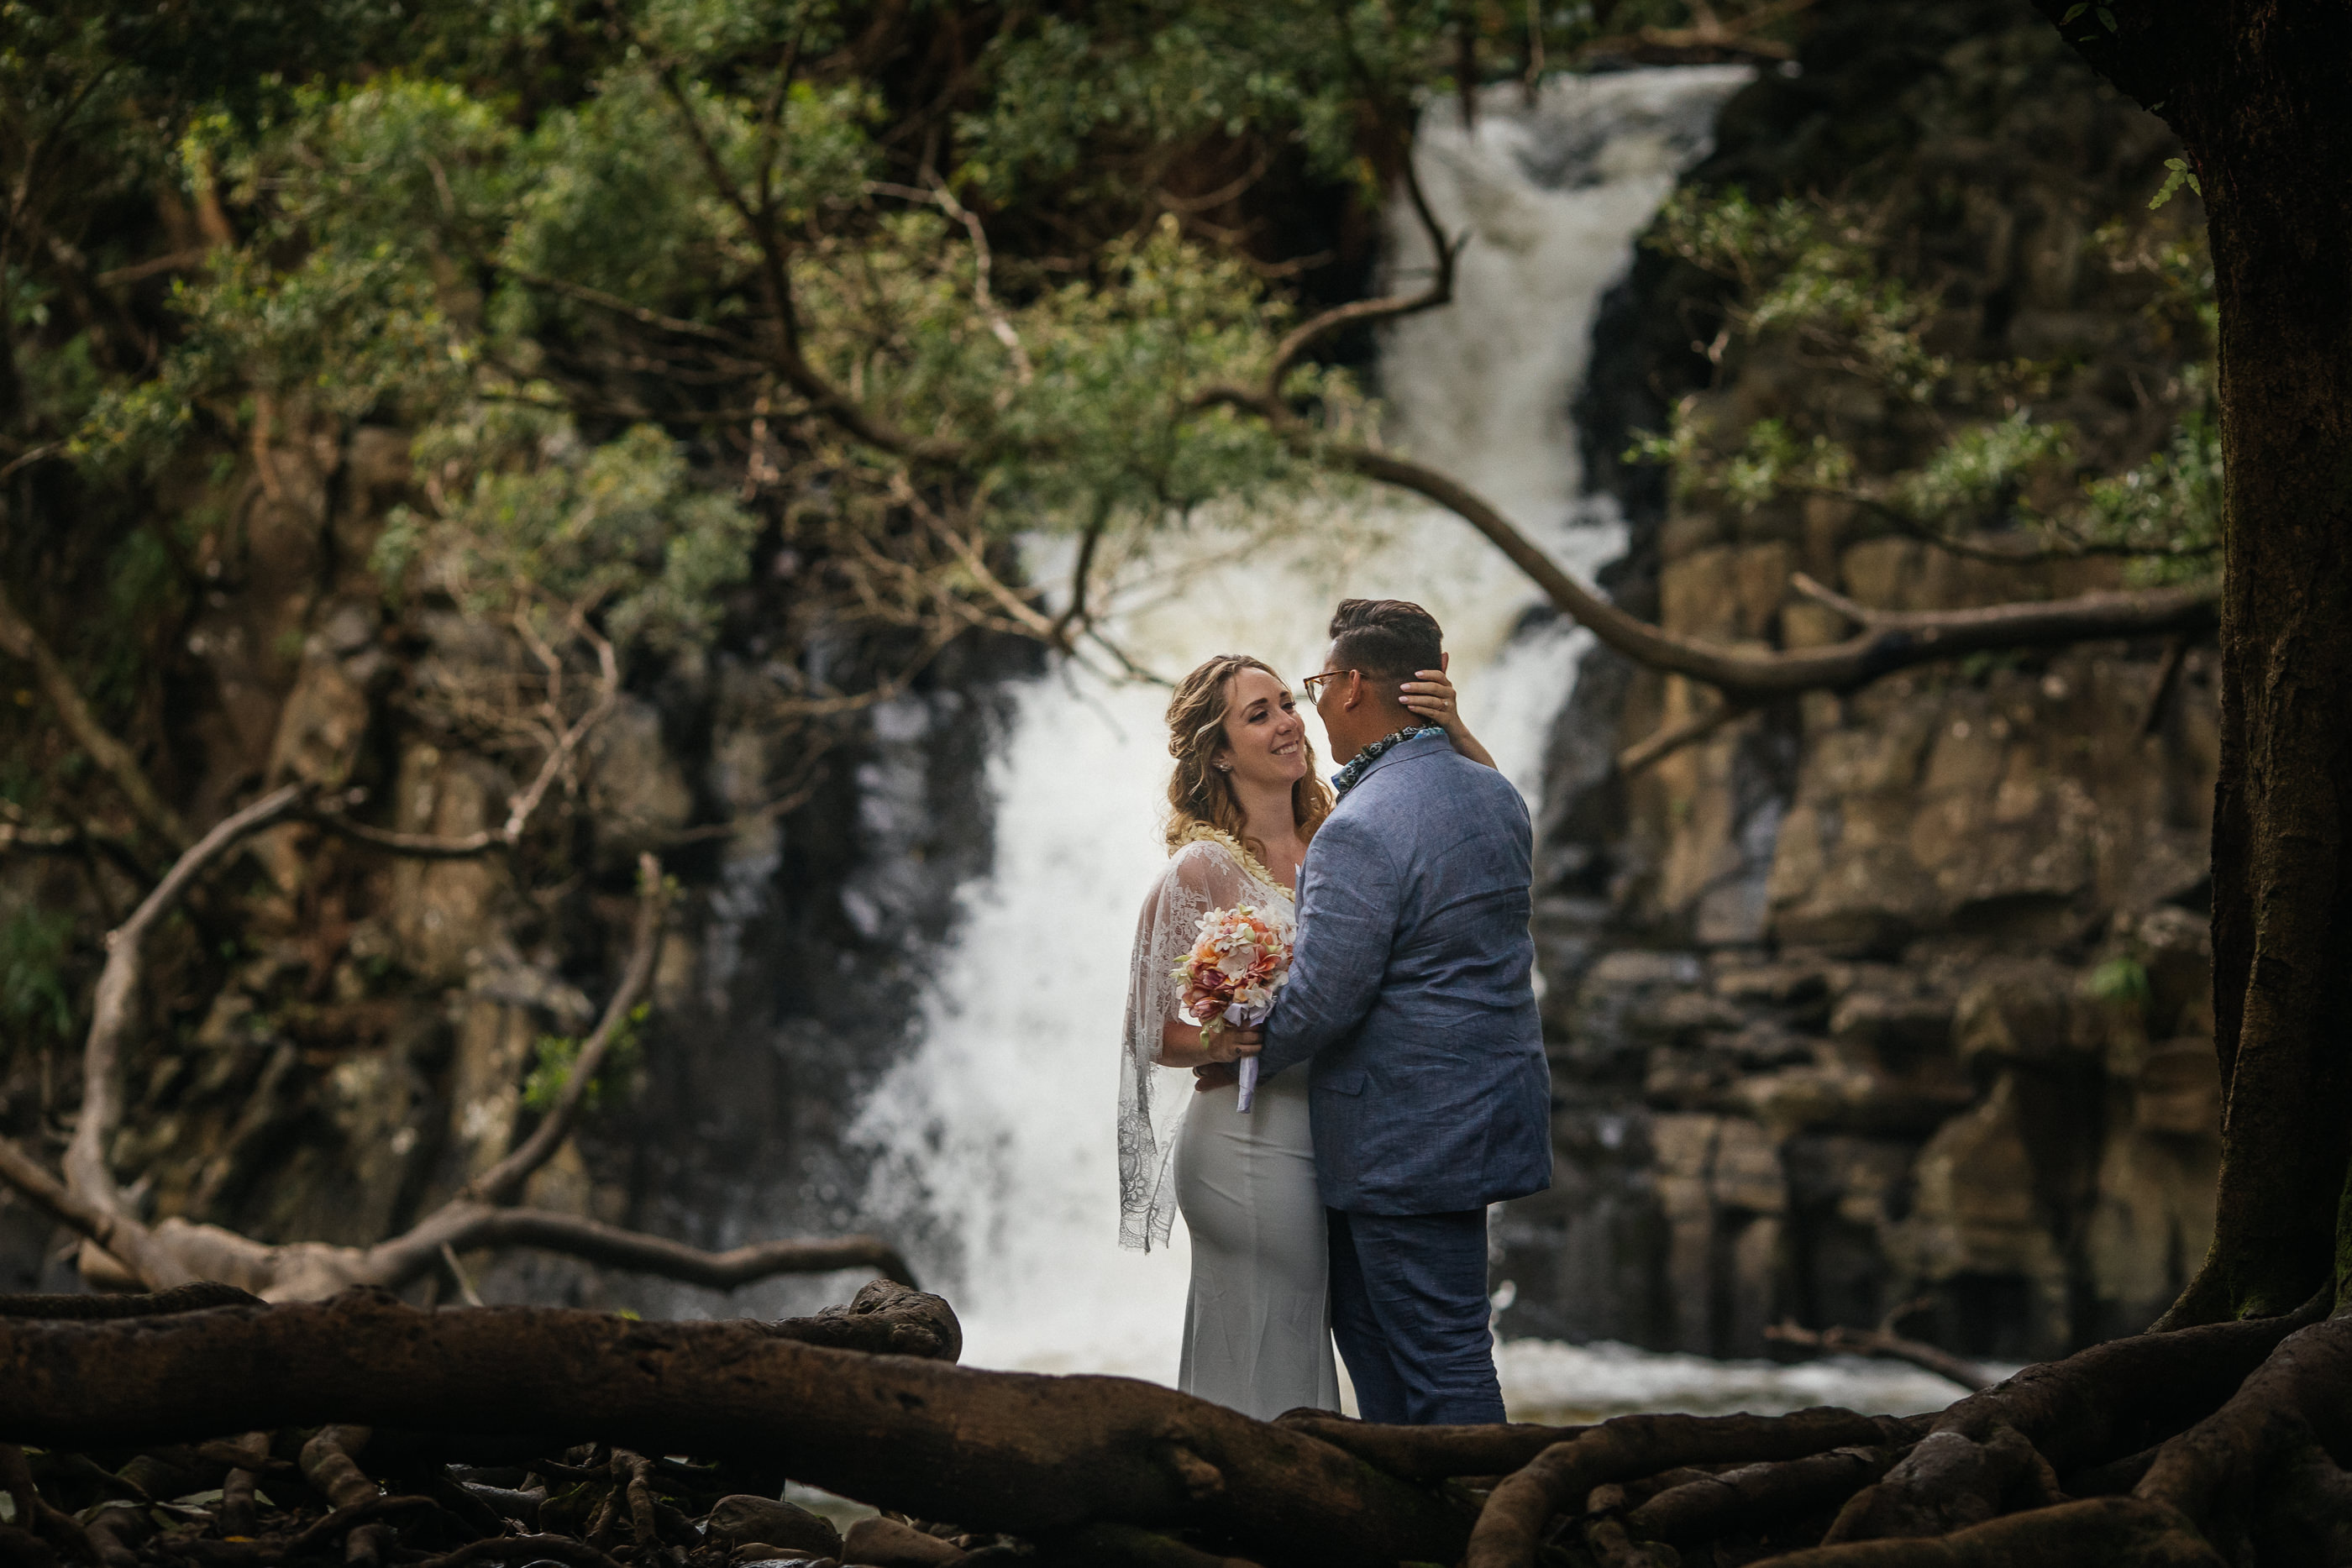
point(995, 1160)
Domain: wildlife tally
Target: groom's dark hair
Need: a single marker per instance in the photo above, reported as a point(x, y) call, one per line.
point(1387, 639)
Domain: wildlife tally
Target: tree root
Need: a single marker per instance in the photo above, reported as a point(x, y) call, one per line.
point(1512, 1526)
point(1429, 1453)
point(1995, 1451)
point(1709, 1506)
point(2298, 1400)
point(2098, 1532)
point(1095, 1470)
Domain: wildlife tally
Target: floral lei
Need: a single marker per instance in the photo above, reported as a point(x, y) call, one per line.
point(1202, 832)
point(1345, 780)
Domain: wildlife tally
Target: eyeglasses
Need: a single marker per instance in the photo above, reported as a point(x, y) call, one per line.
point(1311, 682)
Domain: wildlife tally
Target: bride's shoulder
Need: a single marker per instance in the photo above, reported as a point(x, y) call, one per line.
point(1213, 854)
point(1209, 851)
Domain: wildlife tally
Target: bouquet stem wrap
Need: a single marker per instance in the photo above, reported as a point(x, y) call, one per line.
point(1229, 977)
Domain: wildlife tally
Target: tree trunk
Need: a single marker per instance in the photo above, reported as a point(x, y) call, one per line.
point(2255, 88)
point(2274, 156)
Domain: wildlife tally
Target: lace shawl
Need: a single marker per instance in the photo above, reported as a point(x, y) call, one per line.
point(1211, 872)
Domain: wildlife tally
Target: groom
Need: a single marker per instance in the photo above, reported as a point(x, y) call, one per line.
point(1410, 993)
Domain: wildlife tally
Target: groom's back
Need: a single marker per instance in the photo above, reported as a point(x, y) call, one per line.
point(1441, 1098)
point(1459, 835)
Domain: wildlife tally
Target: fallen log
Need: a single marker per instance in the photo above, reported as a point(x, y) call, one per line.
point(1030, 1455)
point(191, 1298)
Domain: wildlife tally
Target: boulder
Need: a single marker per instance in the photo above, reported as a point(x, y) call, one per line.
point(779, 1530)
point(880, 1542)
point(2023, 1010)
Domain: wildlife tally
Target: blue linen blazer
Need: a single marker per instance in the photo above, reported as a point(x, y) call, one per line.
point(1410, 993)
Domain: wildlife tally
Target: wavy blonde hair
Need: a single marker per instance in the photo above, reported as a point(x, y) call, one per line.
point(1198, 795)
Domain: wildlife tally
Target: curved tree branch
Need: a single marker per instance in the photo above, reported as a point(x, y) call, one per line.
point(1366, 312)
point(612, 1247)
point(1667, 739)
point(112, 1014)
point(503, 1182)
point(126, 1240)
point(1888, 641)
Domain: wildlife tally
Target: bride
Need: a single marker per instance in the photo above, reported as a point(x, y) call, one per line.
point(1243, 804)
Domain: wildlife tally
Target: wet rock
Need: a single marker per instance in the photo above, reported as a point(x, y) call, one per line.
point(2026, 1009)
point(880, 1542)
point(772, 1529)
point(2179, 1091)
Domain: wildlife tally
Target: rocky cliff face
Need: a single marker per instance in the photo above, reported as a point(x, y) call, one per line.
point(1899, 999)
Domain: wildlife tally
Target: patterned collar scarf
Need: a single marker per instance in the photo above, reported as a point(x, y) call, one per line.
point(1349, 776)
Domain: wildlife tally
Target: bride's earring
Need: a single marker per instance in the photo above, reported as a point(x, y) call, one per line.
point(1224, 768)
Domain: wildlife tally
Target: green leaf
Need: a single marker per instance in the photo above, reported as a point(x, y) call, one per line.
point(2107, 19)
point(2182, 175)
point(2073, 11)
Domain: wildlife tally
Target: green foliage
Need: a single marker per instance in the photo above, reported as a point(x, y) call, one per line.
point(1811, 297)
point(2120, 981)
point(528, 518)
point(36, 997)
point(555, 1056)
point(2177, 173)
point(649, 283)
point(2168, 508)
point(1979, 471)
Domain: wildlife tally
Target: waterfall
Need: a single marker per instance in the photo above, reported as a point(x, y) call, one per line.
point(995, 1153)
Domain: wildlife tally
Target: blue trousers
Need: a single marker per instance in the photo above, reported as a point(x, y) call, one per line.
point(1410, 1312)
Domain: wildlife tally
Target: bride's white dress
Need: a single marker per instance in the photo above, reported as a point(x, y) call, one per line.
point(1257, 1322)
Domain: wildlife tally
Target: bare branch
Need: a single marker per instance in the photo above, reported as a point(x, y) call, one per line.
point(38, 841)
point(131, 1243)
point(118, 989)
point(803, 377)
point(526, 801)
point(1886, 1345)
point(1888, 641)
point(503, 1182)
point(1358, 313)
point(999, 323)
point(633, 311)
point(1025, 614)
point(475, 1225)
point(1667, 739)
point(421, 846)
point(1081, 571)
point(18, 637)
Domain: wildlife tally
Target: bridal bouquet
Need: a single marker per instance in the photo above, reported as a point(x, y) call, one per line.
point(1235, 965)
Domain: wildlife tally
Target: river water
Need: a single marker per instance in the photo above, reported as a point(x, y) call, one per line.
point(994, 1152)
